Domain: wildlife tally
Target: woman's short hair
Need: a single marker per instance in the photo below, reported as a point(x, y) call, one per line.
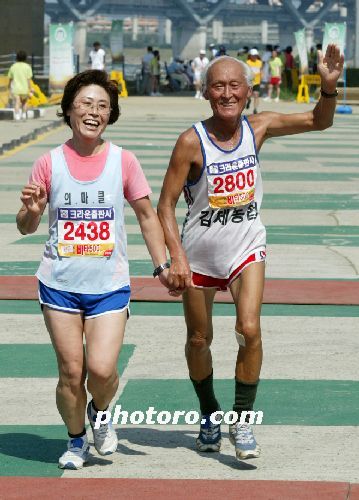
point(84, 79)
point(21, 56)
point(247, 72)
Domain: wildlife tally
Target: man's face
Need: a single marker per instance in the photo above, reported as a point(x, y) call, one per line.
point(227, 89)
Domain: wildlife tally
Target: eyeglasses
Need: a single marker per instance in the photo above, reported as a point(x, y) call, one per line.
point(102, 108)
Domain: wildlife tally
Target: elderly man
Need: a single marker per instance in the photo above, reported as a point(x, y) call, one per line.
point(223, 241)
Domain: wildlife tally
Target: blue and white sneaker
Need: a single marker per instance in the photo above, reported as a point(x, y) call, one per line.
point(76, 455)
point(105, 437)
point(209, 438)
point(242, 437)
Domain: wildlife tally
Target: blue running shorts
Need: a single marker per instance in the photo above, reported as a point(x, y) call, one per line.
point(90, 305)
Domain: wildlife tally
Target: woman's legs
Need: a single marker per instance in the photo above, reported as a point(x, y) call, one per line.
point(104, 338)
point(66, 333)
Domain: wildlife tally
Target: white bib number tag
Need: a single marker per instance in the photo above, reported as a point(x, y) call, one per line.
point(233, 188)
point(86, 232)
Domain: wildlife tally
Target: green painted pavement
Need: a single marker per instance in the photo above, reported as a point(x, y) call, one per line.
point(283, 402)
point(39, 360)
point(269, 176)
point(264, 155)
point(11, 219)
point(141, 147)
point(280, 160)
point(315, 201)
point(289, 235)
point(31, 450)
point(29, 268)
point(287, 176)
point(7, 218)
point(176, 309)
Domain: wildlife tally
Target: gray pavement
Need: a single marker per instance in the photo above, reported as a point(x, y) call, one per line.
point(310, 208)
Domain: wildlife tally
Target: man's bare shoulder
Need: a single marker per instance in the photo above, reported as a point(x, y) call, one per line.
point(260, 123)
point(188, 139)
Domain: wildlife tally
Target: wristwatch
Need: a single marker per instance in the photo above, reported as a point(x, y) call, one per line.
point(161, 268)
point(325, 94)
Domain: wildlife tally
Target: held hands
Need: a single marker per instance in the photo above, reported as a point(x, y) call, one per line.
point(178, 277)
point(164, 279)
point(34, 198)
point(330, 67)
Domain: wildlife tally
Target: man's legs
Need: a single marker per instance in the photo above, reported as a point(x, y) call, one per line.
point(197, 85)
point(255, 101)
point(269, 96)
point(247, 293)
point(104, 338)
point(197, 305)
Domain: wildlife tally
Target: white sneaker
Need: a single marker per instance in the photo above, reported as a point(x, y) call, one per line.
point(276, 99)
point(24, 116)
point(242, 437)
point(17, 116)
point(76, 455)
point(198, 95)
point(105, 437)
point(267, 99)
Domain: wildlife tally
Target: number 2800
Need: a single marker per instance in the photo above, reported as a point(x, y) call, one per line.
point(91, 231)
point(229, 183)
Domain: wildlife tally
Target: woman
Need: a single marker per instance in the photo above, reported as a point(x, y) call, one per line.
point(20, 74)
point(83, 276)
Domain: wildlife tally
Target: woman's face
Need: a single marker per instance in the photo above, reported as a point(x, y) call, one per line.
point(90, 113)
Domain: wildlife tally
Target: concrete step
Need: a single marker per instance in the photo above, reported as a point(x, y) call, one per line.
point(9, 113)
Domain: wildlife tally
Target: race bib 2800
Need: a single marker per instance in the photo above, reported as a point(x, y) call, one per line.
point(232, 184)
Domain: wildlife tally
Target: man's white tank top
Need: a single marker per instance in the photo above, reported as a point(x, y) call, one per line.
point(86, 249)
point(222, 227)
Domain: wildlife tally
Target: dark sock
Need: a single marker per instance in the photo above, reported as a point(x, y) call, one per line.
point(94, 407)
point(205, 393)
point(74, 436)
point(245, 395)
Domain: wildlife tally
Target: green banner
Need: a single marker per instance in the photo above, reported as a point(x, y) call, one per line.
point(61, 56)
point(301, 43)
point(335, 33)
point(116, 44)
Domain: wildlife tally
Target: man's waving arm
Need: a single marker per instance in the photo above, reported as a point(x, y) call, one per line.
point(270, 124)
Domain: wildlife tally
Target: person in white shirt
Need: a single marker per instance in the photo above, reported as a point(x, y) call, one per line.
point(199, 64)
point(97, 57)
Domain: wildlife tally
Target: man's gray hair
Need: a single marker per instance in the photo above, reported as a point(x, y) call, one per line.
point(247, 72)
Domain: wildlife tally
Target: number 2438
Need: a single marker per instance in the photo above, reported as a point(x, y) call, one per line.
point(91, 231)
